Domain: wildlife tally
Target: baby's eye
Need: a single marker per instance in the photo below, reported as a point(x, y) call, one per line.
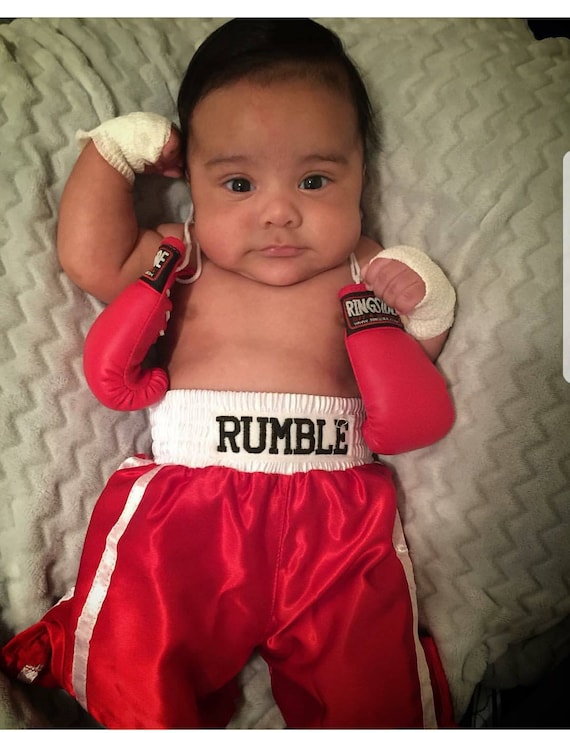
point(313, 183)
point(239, 185)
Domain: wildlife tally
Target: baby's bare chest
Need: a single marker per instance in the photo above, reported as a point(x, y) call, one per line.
point(243, 335)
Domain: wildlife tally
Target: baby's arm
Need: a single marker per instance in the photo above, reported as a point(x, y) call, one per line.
point(100, 246)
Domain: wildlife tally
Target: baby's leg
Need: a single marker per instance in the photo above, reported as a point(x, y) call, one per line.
point(349, 654)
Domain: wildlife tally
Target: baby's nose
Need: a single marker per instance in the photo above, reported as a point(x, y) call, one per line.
point(281, 210)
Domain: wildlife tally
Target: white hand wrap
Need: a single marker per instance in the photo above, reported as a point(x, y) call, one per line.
point(434, 313)
point(129, 142)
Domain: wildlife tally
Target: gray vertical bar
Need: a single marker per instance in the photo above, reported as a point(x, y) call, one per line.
point(566, 266)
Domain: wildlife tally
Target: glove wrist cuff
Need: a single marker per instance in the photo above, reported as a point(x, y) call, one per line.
point(129, 142)
point(434, 314)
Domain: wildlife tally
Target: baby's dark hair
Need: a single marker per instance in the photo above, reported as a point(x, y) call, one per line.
point(271, 48)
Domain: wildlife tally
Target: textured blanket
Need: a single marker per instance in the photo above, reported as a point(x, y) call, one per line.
point(476, 119)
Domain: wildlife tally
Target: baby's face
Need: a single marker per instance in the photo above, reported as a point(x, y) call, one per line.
point(276, 176)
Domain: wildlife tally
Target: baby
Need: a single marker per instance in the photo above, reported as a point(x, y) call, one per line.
point(264, 519)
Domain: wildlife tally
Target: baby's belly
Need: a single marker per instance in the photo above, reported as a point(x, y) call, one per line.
point(261, 365)
point(229, 333)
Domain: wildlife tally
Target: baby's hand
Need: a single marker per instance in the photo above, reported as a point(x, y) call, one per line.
point(169, 163)
point(395, 283)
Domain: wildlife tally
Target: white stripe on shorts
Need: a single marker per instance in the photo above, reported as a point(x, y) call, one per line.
point(102, 579)
point(426, 690)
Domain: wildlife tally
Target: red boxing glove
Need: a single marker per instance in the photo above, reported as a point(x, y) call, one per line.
point(121, 336)
point(405, 396)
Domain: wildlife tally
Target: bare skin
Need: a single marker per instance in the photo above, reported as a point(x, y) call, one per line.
point(264, 316)
point(251, 336)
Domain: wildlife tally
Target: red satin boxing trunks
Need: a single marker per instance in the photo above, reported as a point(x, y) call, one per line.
point(262, 522)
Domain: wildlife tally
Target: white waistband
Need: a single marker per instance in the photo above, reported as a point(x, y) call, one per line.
point(258, 431)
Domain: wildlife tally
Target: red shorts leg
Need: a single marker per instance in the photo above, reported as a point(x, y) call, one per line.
point(345, 651)
point(169, 603)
